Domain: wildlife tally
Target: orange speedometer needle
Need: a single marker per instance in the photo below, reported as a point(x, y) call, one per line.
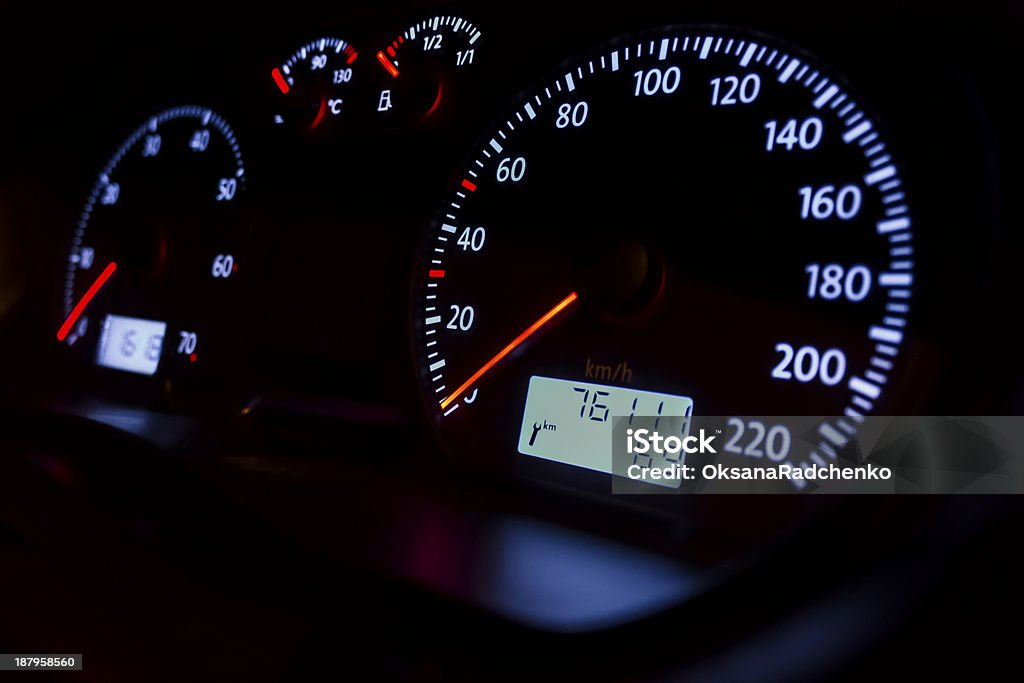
point(76, 312)
point(523, 336)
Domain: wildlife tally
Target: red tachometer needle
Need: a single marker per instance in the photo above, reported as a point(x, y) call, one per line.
point(76, 312)
point(386, 63)
point(523, 336)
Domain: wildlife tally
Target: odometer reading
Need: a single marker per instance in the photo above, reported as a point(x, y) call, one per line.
point(571, 422)
point(726, 215)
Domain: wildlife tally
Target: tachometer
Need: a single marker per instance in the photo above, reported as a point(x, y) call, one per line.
point(155, 262)
point(694, 219)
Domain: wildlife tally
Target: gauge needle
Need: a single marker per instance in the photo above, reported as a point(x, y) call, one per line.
point(76, 312)
point(523, 336)
point(386, 63)
point(281, 83)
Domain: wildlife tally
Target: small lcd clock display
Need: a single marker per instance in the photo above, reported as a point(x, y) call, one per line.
point(131, 344)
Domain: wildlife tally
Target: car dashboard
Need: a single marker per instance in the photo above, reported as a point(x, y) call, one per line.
point(313, 322)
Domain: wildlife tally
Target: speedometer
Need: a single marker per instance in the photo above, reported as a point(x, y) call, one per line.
point(695, 217)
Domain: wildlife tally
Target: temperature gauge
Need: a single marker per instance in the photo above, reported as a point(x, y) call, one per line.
point(313, 86)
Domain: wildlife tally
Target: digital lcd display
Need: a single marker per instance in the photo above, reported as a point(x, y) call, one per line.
point(571, 422)
point(131, 344)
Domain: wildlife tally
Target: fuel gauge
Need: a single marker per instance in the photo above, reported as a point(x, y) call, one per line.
point(418, 71)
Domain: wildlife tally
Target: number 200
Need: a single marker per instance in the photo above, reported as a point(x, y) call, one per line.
point(808, 363)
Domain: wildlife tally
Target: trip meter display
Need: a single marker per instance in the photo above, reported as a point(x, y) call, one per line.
point(694, 212)
point(566, 421)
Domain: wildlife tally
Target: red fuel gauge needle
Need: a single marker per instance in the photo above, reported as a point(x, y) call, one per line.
point(79, 308)
point(386, 63)
point(523, 336)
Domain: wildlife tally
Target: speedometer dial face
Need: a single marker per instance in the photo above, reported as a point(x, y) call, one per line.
point(156, 261)
point(694, 212)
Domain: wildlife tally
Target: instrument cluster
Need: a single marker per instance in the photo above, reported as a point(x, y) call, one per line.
point(514, 228)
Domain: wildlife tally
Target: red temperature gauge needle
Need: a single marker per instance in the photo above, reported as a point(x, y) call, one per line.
point(76, 312)
point(282, 84)
point(523, 336)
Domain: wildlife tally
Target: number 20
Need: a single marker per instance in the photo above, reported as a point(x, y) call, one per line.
point(462, 318)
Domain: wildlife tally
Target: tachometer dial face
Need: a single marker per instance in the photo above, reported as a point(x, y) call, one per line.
point(156, 261)
point(417, 72)
point(313, 87)
point(705, 214)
